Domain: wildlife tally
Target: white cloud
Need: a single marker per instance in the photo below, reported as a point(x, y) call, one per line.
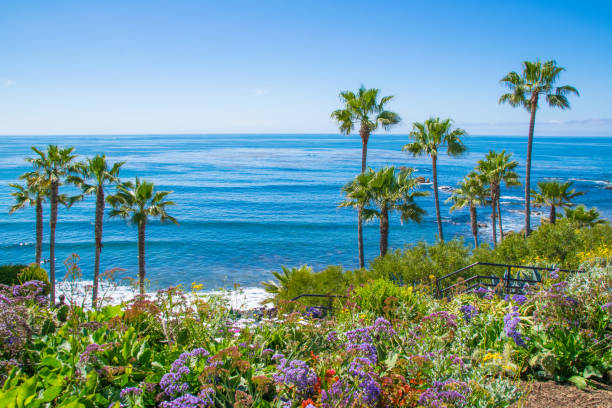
point(7, 83)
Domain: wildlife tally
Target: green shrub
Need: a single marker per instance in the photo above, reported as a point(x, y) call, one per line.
point(292, 282)
point(417, 262)
point(35, 272)
point(384, 298)
point(8, 273)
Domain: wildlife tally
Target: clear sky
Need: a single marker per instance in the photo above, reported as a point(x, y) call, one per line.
point(90, 67)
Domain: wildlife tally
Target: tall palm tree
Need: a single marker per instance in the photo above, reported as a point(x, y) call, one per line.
point(584, 217)
point(471, 193)
point(495, 169)
point(366, 110)
point(429, 137)
point(380, 192)
point(554, 194)
point(32, 194)
point(537, 79)
point(101, 174)
point(137, 202)
point(55, 165)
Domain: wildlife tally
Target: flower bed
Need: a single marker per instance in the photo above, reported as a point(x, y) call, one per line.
point(407, 349)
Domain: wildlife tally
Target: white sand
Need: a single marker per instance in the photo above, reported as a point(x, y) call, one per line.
point(80, 293)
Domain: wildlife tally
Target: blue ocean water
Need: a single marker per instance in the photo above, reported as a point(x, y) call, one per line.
point(248, 204)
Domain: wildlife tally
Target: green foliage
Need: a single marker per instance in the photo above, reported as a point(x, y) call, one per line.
point(416, 263)
point(583, 217)
point(292, 282)
point(384, 298)
point(35, 272)
point(9, 273)
point(400, 336)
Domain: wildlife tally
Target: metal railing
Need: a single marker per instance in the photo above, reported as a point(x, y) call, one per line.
point(330, 300)
point(511, 285)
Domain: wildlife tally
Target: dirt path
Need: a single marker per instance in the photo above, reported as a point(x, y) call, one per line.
point(553, 395)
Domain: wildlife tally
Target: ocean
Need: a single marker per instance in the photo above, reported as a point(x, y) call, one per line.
point(249, 203)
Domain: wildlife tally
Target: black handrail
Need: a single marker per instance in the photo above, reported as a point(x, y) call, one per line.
point(507, 279)
point(539, 268)
point(330, 299)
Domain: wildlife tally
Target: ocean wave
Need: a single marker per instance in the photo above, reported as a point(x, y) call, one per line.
point(604, 182)
point(79, 293)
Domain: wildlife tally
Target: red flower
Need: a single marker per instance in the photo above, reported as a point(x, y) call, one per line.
point(307, 402)
point(330, 373)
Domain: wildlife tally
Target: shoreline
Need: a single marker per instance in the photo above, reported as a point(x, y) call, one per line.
point(79, 293)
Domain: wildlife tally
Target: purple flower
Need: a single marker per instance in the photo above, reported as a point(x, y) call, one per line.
point(332, 337)
point(360, 368)
point(365, 349)
point(371, 392)
point(444, 393)
point(130, 391)
point(186, 401)
point(519, 299)
point(606, 306)
point(382, 326)
point(361, 335)
point(469, 312)
point(555, 274)
point(449, 319)
point(297, 375)
point(511, 322)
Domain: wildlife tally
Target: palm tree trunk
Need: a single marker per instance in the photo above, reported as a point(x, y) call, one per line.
point(435, 188)
point(98, 238)
point(360, 238)
point(534, 104)
point(39, 228)
point(553, 214)
point(493, 216)
point(141, 256)
point(52, 225)
point(384, 230)
point(499, 215)
point(364, 132)
point(474, 222)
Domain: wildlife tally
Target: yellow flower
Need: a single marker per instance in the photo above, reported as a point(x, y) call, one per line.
point(362, 316)
point(432, 277)
point(196, 286)
point(507, 367)
point(494, 356)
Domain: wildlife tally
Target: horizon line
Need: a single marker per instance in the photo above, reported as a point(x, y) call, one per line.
point(266, 133)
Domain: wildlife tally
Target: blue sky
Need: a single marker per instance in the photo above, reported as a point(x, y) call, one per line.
point(113, 67)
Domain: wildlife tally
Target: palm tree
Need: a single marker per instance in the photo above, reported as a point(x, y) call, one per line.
point(365, 109)
point(537, 79)
point(429, 137)
point(32, 194)
point(495, 169)
point(584, 217)
point(471, 193)
point(54, 165)
point(554, 194)
point(101, 175)
point(378, 193)
point(137, 202)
